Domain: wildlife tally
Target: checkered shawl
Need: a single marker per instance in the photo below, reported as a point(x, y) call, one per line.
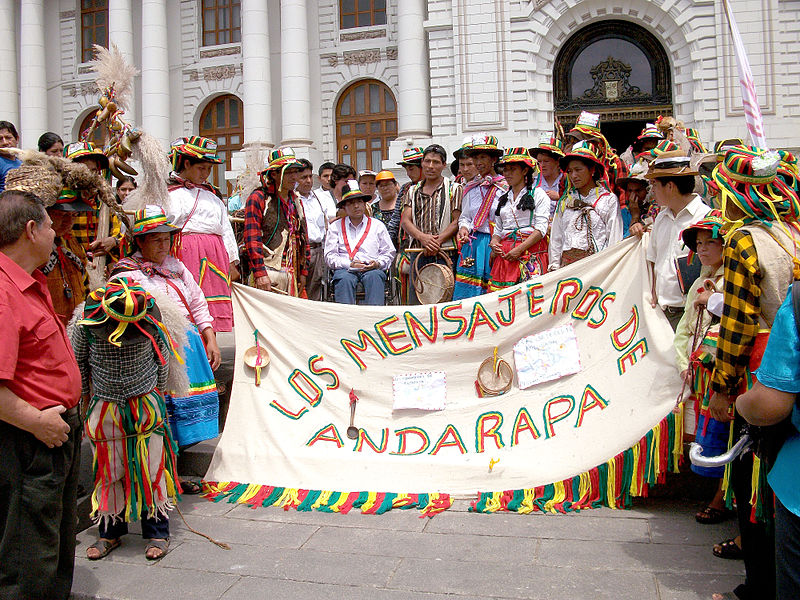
point(740, 319)
point(259, 225)
point(84, 229)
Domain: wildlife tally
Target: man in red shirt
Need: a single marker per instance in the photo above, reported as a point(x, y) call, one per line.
point(40, 387)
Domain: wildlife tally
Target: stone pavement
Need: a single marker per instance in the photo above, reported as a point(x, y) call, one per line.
point(654, 551)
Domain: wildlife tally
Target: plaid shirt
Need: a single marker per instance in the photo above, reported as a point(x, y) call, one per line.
point(84, 229)
point(255, 231)
point(739, 325)
point(116, 374)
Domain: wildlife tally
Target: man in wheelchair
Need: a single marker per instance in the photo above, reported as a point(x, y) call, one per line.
point(358, 249)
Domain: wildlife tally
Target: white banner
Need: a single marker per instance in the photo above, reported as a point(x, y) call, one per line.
point(592, 401)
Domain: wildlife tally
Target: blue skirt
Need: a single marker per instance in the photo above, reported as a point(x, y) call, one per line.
point(474, 268)
point(714, 443)
point(195, 417)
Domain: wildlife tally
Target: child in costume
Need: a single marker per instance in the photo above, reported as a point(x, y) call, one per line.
point(695, 346)
point(123, 351)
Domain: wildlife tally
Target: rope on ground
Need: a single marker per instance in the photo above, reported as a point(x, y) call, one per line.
point(222, 545)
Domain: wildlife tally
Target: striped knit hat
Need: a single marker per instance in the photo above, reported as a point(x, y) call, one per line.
point(519, 155)
point(694, 139)
point(412, 157)
point(197, 147)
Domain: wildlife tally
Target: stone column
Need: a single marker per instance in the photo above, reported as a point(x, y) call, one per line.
point(256, 85)
point(9, 86)
point(120, 33)
point(155, 71)
point(32, 73)
point(295, 76)
point(413, 72)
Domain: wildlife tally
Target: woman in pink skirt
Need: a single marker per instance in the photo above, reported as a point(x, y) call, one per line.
point(208, 245)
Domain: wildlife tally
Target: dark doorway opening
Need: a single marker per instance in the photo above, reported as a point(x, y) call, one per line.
point(621, 134)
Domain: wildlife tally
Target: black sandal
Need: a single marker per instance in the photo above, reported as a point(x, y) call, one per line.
point(711, 516)
point(728, 549)
point(104, 547)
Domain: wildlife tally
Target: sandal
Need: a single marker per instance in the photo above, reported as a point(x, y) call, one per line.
point(161, 545)
point(104, 547)
point(711, 516)
point(190, 488)
point(728, 549)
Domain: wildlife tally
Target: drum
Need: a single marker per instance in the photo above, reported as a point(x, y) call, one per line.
point(434, 282)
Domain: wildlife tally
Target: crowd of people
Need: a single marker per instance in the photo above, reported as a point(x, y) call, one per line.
point(132, 360)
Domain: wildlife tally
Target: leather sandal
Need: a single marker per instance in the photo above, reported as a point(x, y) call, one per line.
point(104, 547)
point(190, 488)
point(711, 516)
point(161, 545)
point(728, 549)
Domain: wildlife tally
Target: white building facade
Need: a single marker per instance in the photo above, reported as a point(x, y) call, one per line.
point(359, 80)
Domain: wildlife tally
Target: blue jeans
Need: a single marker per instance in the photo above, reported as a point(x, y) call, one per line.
point(344, 286)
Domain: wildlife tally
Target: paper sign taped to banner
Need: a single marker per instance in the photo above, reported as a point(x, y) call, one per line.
point(546, 356)
point(426, 390)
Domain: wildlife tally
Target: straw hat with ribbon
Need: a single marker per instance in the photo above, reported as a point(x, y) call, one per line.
point(519, 155)
point(123, 311)
point(484, 144)
point(669, 165)
point(351, 191)
point(196, 147)
point(550, 145)
point(412, 157)
point(582, 151)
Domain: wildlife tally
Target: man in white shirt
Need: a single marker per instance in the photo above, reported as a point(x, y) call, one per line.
point(319, 210)
point(358, 248)
point(673, 184)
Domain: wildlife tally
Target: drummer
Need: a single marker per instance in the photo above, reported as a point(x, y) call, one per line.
point(358, 249)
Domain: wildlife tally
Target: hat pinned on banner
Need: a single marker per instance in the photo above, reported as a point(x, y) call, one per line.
point(550, 145)
point(351, 191)
point(587, 126)
point(78, 151)
point(519, 155)
point(385, 176)
point(195, 147)
point(671, 166)
point(412, 157)
point(582, 151)
point(484, 144)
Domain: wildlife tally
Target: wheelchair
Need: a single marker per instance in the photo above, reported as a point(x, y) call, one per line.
point(391, 287)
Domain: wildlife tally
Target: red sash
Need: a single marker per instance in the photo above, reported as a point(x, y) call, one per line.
point(354, 251)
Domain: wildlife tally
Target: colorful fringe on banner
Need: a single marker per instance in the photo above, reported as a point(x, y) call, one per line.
point(611, 484)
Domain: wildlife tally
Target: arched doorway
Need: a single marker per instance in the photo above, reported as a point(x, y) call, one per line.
point(223, 121)
point(615, 68)
point(98, 137)
point(366, 121)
